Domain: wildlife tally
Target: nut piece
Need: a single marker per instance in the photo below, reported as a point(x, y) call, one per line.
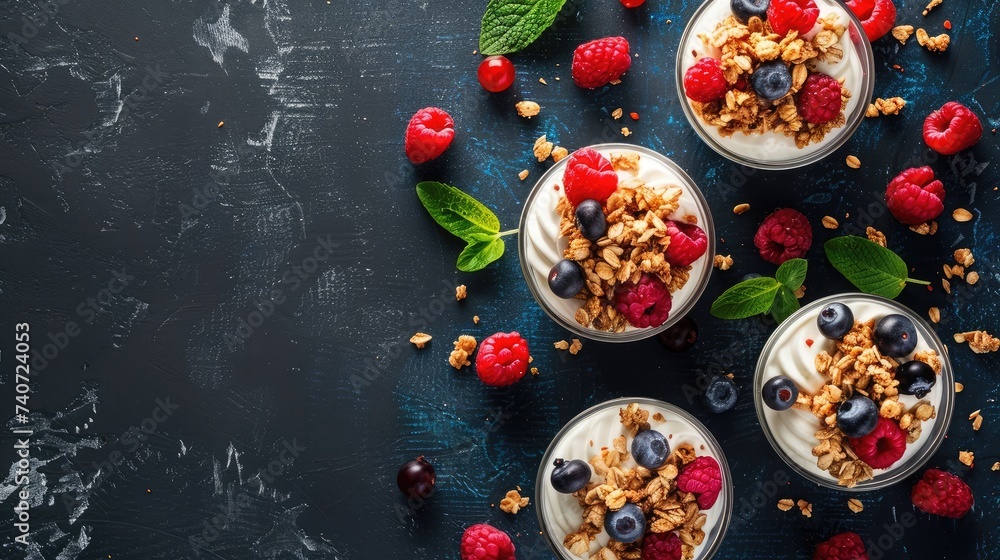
point(527, 109)
point(786, 504)
point(964, 257)
point(561, 345)
point(926, 228)
point(890, 106)
point(475, 319)
point(977, 423)
point(542, 148)
point(875, 236)
point(959, 387)
point(513, 502)
point(931, 6)
point(805, 507)
point(464, 347)
point(723, 262)
point(523, 174)
point(981, 342)
point(559, 153)
point(972, 277)
point(938, 43)
point(741, 208)
point(967, 458)
point(935, 314)
point(902, 33)
point(853, 162)
point(961, 215)
point(617, 113)
point(855, 505)
point(626, 162)
point(829, 222)
point(420, 339)
point(996, 466)
point(460, 292)
point(575, 347)
point(626, 132)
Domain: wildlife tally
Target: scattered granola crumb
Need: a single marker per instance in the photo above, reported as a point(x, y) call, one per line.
point(975, 414)
point(559, 153)
point(946, 285)
point(741, 208)
point(805, 507)
point(961, 215)
point(926, 228)
point(626, 132)
point(972, 278)
point(902, 33)
point(542, 148)
point(626, 162)
point(875, 236)
point(575, 347)
point(617, 81)
point(534, 372)
point(800, 292)
point(964, 257)
point(935, 314)
point(523, 174)
point(959, 387)
point(460, 292)
point(221, 124)
point(464, 347)
point(475, 319)
point(937, 43)
point(658, 417)
point(855, 505)
point(996, 466)
point(513, 502)
point(967, 458)
point(542, 81)
point(829, 222)
point(889, 106)
point(981, 342)
point(785, 504)
point(561, 345)
point(723, 262)
point(853, 162)
point(977, 423)
point(930, 6)
point(527, 109)
point(420, 339)
point(616, 114)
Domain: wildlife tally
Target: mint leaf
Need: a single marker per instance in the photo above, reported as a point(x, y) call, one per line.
point(511, 25)
point(792, 273)
point(872, 268)
point(456, 211)
point(481, 251)
point(746, 299)
point(785, 303)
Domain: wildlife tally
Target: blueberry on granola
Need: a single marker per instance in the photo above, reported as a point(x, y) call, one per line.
point(569, 476)
point(771, 80)
point(626, 524)
point(915, 378)
point(590, 219)
point(857, 416)
point(650, 449)
point(835, 320)
point(895, 335)
point(746, 9)
point(566, 279)
point(779, 393)
point(720, 395)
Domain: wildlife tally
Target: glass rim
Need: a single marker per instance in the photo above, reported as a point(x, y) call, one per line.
point(844, 133)
point(675, 313)
point(726, 497)
point(928, 448)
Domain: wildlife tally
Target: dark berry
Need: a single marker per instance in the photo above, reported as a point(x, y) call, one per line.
point(835, 320)
point(681, 335)
point(590, 219)
point(895, 335)
point(416, 479)
point(779, 393)
point(626, 524)
point(568, 477)
point(650, 449)
point(915, 378)
point(857, 416)
point(566, 279)
point(720, 395)
point(496, 73)
point(746, 9)
point(771, 80)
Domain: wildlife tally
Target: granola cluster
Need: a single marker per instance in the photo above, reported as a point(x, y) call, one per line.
point(857, 367)
point(655, 492)
point(743, 47)
point(634, 244)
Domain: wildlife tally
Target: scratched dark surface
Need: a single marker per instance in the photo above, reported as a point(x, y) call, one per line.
point(154, 419)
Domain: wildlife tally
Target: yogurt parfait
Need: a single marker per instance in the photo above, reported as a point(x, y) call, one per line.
point(775, 84)
point(633, 474)
point(854, 392)
point(616, 242)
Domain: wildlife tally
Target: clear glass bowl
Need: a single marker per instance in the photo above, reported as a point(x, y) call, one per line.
point(540, 247)
point(791, 432)
point(770, 150)
point(560, 514)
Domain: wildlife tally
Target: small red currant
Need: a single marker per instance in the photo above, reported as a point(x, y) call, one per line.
point(632, 3)
point(496, 73)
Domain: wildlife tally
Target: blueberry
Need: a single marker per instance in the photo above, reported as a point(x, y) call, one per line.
point(566, 279)
point(779, 393)
point(681, 335)
point(835, 320)
point(895, 335)
point(650, 449)
point(857, 416)
point(746, 9)
point(720, 395)
point(568, 477)
point(626, 524)
point(771, 80)
point(590, 219)
point(915, 378)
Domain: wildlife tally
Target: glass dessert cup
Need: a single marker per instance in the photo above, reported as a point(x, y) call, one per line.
point(585, 435)
point(791, 432)
point(771, 150)
point(540, 246)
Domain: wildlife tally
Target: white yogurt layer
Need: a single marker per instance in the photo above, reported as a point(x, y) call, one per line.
point(772, 146)
point(544, 248)
point(794, 430)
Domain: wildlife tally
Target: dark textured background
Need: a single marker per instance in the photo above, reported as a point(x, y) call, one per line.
point(110, 160)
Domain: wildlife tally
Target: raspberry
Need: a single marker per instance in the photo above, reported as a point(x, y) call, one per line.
point(688, 242)
point(589, 175)
point(819, 99)
point(915, 196)
point(877, 16)
point(485, 542)
point(942, 493)
point(704, 81)
point(645, 304)
point(788, 15)
point(428, 135)
point(785, 234)
point(952, 128)
point(703, 478)
point(845, 546)
point(502, 359)
point(661, 546)
point(883, 446)
point(600, 61)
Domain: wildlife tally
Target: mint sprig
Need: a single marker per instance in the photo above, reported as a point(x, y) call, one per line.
point(511, 25)
point(466, 218)
point(763, 294)
point(872, 268)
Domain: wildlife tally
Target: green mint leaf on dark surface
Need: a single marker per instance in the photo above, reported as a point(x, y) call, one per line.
point(792, 273)
point(872, 268)
point(746, 299)
point(511, 25)
point(785, 303)
point(481, 251)
point(456, 211)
